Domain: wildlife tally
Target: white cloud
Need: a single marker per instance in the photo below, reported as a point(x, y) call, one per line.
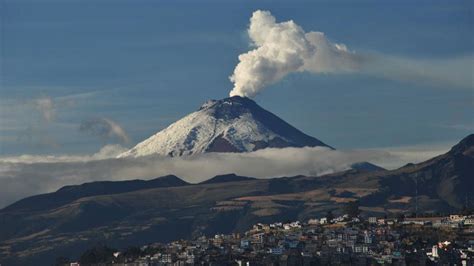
point(106, 152)
point(27, 175)
point(284, 48)
point(48, 106)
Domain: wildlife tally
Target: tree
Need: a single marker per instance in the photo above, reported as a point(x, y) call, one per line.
point(352, 209)
point(329, 216)
point(61, 261)
point(132, 253)
point(100, 254)
point(466, 210)
point(400, 216)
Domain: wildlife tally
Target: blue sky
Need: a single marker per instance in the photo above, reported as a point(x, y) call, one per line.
point(145, 64)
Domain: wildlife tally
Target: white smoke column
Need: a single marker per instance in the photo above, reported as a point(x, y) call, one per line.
point(283, 48)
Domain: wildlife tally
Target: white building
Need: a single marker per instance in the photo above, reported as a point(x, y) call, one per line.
point(456, 218)
point(434, 251)
point(469, 221)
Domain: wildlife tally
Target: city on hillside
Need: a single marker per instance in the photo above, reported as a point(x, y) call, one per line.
point(349, 239)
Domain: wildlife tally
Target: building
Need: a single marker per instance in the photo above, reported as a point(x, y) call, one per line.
point(469, 221)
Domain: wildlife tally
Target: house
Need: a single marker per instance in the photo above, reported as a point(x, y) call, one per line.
point(242, 263)
point(276, 251)
point(456, 218)
point(469, 221)
point(244, 243)
point(332, 243)
point(295, 224)
point(367, 238)
point(276, 225)
point(372, 220)
point(190, 259)
point(166, 258)
point(258, 238)
point(434, 251)
point(365, 249)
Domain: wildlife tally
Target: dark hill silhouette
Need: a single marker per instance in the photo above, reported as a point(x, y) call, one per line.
point(68, 194)
point(227, 178)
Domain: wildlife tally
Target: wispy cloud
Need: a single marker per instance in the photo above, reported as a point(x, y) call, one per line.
point(447, 73)
point(402, 155)
point(49, 106)
point(106, 152)
point(459, 126)
point(46, 107)
point(105, 129)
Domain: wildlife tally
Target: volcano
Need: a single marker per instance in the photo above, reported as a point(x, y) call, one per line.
point(234, 124)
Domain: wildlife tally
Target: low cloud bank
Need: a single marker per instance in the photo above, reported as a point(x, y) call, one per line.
point(106, 152)
point(28, 175)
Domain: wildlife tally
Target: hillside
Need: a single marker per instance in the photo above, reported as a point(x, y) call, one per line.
point(227, 178)
point(28, 233)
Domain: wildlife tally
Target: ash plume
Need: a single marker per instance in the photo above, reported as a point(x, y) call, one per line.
point(283, 48)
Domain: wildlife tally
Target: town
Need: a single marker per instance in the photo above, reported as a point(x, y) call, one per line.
point(343, 240)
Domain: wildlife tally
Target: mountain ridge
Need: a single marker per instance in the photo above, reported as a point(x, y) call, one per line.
point(168, 213)
point(226, 178)
point(70, 193)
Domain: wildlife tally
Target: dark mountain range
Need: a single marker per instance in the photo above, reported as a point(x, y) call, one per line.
point(68, 194)
point(30, 234)
point(227, 178)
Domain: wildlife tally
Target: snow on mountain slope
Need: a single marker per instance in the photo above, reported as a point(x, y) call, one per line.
point(234, 124)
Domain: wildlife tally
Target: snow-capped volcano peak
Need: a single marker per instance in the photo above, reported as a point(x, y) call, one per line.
point(235, 124)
